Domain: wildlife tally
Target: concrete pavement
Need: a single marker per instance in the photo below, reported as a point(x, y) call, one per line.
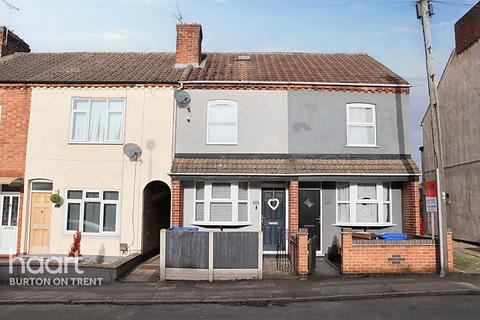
point(245, 292)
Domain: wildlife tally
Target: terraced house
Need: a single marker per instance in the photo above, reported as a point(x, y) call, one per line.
point(281, 141)
point(84, 108)
point(268, 142)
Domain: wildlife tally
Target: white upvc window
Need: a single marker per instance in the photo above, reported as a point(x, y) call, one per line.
point(9, 204)
point(364, 204)
point(97, 121)
point(92, 211)
point(221, 203)
point(222, 122)
point(361, 125)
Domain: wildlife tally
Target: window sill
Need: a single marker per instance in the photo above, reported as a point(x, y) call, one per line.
point(363, 225)
point(361, 146)
point(222, 224)
point(92, 234)
point(94, 143)
point(222, 143)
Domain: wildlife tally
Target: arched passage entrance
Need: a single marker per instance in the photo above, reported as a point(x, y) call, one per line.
point(156, 214)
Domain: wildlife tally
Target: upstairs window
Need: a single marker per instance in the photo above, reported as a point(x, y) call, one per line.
point(361, 127)
point(222, 122)
point(97, 121)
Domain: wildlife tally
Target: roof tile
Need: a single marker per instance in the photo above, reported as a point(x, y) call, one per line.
point(101, 67)
point(296, 166)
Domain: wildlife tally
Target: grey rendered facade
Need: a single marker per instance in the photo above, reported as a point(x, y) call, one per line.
point(299, 122)
point(459, 104)
point(296, 123)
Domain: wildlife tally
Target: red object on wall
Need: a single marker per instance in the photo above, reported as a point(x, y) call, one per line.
point(422, 227)
point(430, 188)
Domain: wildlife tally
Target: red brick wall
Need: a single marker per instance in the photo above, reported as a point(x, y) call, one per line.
point(14, 119)
point(189, 44)
point(267, 86)
point(421, 257)
point(14, 43)
point(411, 207)
point(467, 29)
point(177, 203)
point(302, 257)
point(293, 207)
point(450, 251)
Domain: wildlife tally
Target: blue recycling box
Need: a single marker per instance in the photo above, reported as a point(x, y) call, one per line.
point(392, 236)
point(194, 229)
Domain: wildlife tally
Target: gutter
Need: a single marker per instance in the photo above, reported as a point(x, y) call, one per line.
point(299, 174)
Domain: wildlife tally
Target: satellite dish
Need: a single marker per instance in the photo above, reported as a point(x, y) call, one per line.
point(132, 150)
point(182, 97)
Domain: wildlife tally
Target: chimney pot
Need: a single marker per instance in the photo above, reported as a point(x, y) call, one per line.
point(189, 45)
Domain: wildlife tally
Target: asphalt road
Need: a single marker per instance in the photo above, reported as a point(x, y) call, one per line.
point(442, 307)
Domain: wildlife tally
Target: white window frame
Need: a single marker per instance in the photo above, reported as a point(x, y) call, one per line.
point(207, 196)
point(354, 201)
point(222, 102)
point(362, 124)
point(11, 195)
point(82, 207)
point(104, 141)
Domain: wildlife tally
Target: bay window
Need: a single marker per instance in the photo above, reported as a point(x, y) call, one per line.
point(92, 211)
point(361, 125)
point(97, 121)
point(364, 204)
point(221, 203)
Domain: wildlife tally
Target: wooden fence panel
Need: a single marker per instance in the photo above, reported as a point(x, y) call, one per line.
point(186, 250)
point(235, 250)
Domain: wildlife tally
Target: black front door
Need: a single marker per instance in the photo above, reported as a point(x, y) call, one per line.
point(309, 211)
point(273, 219)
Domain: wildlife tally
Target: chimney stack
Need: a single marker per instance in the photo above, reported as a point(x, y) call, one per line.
point(189, 45)
point(11, 43)
point(467, 29)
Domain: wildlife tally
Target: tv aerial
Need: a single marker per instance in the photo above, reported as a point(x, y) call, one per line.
point(178, 15)
point(133, 151)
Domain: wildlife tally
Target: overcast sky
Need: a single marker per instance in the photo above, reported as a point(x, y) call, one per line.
point(388, 30)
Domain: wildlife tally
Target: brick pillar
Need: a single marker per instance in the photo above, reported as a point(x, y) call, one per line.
point(177, 203)
point(293, 207)
point(411, 207)
point(450, 251)
point(20, 220)
point(346, 244)
point(302, 253)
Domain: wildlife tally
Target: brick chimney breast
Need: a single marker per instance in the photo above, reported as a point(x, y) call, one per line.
point(11, 43)
point(467, 29)
point(189, 45)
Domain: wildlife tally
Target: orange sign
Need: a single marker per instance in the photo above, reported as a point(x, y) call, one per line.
point(430, 188)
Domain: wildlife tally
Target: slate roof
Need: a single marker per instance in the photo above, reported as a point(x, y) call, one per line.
point(292, 165)
point(159, 68)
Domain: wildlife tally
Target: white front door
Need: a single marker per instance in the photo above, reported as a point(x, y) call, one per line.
point(8, 227)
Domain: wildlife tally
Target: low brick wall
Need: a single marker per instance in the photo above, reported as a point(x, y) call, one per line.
point(391, 256)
